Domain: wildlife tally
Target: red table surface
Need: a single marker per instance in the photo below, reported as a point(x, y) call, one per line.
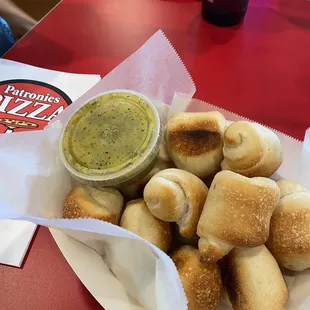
point(260, 70)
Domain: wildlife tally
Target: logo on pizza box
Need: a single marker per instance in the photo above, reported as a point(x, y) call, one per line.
point(28, 104)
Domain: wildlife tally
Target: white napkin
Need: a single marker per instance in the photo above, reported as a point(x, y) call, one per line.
point(16, 236)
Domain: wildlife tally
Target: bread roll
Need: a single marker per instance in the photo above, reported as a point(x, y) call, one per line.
point(85, 201)
point(288, 187)
point(134, 191)
point(138, 219)
point(237, 213)
point(251, 150)
point(174, 195)
point(195, 141)
point(253, 280)
point(201, 282)
point(289, 239)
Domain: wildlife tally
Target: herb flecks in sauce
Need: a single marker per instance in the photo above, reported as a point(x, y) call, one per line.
point(108, 134)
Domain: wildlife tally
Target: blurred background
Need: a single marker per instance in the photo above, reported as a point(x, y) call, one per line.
point(36, 8)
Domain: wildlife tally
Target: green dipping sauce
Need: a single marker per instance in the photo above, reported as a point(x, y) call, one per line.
point(109, 134)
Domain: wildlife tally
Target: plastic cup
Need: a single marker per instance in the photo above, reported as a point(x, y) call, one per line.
point(112, 140)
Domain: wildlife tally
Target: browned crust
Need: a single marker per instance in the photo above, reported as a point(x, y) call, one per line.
point(79, 204)
point(290, 233)
point(195, 135)
point(289, 239)
point(201, 282)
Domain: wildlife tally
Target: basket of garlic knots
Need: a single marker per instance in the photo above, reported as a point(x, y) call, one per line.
point(215, 209)
point(160, 201)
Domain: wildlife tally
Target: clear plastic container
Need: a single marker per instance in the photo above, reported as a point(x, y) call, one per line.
point(112, 140)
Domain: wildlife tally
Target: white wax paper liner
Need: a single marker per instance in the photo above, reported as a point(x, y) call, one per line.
point(291, 147)
point(145, 271)
point(154, 70)
point(304, 170)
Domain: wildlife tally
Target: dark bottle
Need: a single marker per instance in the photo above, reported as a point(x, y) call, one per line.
point(224, 13)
